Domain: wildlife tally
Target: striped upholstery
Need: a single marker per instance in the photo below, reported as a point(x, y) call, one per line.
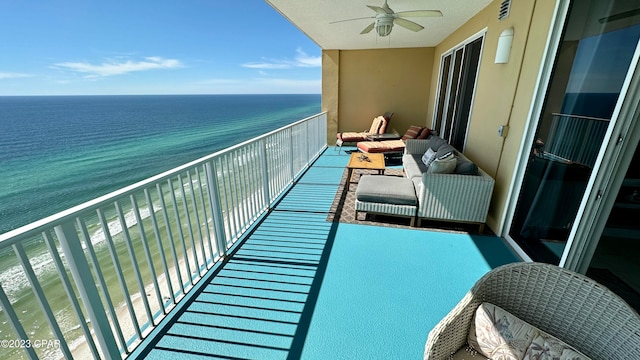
point(352, 136)
point(455, 197)
point(384, 208)
point(412, 133)
point(391, 146)
point(378, 126)
point(386, 195)
point(381, 146)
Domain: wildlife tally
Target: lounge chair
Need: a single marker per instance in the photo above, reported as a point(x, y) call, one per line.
point(378, 126)
point(394, 146)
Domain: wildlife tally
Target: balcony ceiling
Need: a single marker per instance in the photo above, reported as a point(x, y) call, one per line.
point(314, 18)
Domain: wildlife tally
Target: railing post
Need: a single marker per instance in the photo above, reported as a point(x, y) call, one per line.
point(11, 315)
point(308, 143)
point(291, 154)
point(216, 209)
point(81, 273)
point(265, 172)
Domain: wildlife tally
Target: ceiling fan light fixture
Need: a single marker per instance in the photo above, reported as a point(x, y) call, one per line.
point(384, 26)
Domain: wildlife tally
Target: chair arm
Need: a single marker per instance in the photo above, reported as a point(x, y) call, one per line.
point(455, 197)
point(451, 333)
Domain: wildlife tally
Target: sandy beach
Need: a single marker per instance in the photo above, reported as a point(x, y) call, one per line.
point(81, 350)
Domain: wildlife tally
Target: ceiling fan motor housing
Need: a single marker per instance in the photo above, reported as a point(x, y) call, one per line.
point(384, 24)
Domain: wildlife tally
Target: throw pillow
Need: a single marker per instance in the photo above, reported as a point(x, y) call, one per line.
point(435, 142)
point(428, 157)
point(443, 165)
point(412, 132)
point(424, 133)
point(466, 167)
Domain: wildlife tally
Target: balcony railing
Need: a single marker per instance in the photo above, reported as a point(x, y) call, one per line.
point(93, 281)
point(576, 138)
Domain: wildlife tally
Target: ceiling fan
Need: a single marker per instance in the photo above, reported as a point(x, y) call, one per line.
point(385, 18)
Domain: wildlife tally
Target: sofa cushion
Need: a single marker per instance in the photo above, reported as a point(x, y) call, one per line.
point(444, 149)
point(497, 334)
point(545, 346)
point(435, 142)
point(413, 165)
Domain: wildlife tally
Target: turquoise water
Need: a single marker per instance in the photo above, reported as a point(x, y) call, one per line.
point(58, 152)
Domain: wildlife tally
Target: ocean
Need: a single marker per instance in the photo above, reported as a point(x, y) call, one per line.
point(60, 151)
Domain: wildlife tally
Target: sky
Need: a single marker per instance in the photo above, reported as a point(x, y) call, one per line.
point(131, 47)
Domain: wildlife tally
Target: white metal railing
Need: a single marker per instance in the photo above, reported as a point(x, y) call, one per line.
point(94, 280)
point(576, 138)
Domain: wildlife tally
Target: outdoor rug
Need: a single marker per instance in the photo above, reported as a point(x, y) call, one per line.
point(343, 209)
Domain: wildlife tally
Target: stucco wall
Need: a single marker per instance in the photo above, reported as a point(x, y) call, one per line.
point(372, 82)
point(503, 92)
point(360, 84)
point(330, 91)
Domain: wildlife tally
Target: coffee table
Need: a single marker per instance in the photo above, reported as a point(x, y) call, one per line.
point(360, 160)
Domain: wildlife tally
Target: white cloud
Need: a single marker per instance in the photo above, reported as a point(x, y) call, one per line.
point(305, 60)
point(267, 66)
point(11, 75)
point(112, 67)
point(301, 59)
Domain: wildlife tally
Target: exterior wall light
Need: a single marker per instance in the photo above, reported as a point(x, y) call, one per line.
point(504, 46)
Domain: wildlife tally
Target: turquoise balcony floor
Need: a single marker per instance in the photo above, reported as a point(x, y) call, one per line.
point(299, 286)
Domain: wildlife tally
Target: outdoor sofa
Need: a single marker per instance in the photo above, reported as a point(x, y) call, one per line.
point(448, 188)
point(460, 194)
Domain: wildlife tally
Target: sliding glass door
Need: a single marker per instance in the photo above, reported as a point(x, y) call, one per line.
point(593, 60)
point(615, 261)
point(458, 73)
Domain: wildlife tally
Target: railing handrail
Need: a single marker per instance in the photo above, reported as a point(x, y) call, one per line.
point(581, 117)
point(195, 213)
point(8, 238)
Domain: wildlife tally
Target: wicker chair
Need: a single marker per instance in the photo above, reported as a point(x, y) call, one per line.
point(570, 306)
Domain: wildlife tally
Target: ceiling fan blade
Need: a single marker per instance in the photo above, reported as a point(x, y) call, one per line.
point(368, 28)
point(408, 24)
point(420, 13)
point(339, 21)
point(381, 10)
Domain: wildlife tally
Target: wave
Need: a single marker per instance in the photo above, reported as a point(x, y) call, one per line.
point(115, 225)
point(14, 279)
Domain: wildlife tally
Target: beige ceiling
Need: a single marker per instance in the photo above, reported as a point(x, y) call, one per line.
point(314, 17)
